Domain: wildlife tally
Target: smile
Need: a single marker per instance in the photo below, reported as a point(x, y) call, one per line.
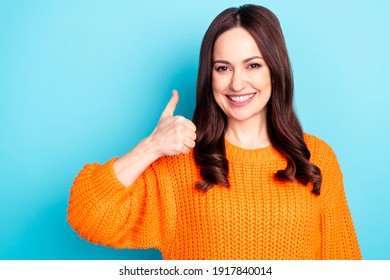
point(240, 98)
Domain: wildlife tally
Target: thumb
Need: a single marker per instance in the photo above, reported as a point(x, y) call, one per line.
point(171, 106)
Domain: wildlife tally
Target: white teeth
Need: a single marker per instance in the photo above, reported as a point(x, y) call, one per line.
point(241, 99)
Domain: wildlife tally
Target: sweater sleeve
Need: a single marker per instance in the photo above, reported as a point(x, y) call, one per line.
point(104, 211)
point(338, 237)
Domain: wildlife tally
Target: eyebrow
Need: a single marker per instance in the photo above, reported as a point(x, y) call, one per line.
point(245, 60)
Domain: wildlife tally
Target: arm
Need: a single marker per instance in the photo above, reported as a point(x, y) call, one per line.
point(339, 239)
point(117, 203)
point(173, 135)
point(104, 211)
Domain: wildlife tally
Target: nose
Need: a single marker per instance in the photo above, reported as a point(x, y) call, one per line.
point(238, 81)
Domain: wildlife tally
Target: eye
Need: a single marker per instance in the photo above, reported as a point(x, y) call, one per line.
point(221, 68)
point(254, 66)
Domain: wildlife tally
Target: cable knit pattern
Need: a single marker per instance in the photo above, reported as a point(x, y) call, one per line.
point(256, 218)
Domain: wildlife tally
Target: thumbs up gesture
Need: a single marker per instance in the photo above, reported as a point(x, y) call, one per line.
point(173, 134)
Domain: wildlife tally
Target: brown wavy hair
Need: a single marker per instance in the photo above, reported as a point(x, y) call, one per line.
point(284, 129)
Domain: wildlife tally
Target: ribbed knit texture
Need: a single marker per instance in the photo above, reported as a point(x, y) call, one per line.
point(256, 218)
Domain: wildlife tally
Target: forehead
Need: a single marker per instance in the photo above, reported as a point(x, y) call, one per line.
point(235, 43)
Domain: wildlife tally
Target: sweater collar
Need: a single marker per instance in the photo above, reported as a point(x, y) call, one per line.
point(256, 155)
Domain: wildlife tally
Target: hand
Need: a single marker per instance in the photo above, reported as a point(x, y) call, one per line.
point(173, 135)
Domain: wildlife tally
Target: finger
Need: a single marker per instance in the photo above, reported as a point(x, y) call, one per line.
point(183, 130)
point(189, 133)
point(190, 125)
point(185, 150)
point(171, 106)
point(185, 122)
point(189, 142)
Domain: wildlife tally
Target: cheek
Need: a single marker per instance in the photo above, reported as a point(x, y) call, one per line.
point(218, 92)
point(218, 97)
point(214, 83)
point(261, 81)
point(218, 83)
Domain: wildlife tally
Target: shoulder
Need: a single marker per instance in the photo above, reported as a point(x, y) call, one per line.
point(315, 143)
point(321, 153)
point(175, 173)
point(170, 163)
point(323, 156)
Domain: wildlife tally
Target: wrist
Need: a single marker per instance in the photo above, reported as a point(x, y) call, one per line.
point(149, 149)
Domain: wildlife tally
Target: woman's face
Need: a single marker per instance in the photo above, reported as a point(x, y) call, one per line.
point(241, 79)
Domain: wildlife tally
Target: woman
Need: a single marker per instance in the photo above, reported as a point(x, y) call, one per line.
point(242, 181)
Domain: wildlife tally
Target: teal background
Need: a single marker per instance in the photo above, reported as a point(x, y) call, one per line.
point(83, 81)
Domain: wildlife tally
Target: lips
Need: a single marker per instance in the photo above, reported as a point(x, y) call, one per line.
point(241, 98)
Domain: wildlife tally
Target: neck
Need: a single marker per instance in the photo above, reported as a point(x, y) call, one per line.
point(249, 134)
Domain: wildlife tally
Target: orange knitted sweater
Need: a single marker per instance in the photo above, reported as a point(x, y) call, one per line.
point(256, 218)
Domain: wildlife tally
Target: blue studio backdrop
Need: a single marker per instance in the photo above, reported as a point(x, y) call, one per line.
point(83, 81)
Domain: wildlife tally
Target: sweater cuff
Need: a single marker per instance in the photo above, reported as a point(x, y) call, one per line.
point(103, 177)
point(104, 183)
point(95, 191)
